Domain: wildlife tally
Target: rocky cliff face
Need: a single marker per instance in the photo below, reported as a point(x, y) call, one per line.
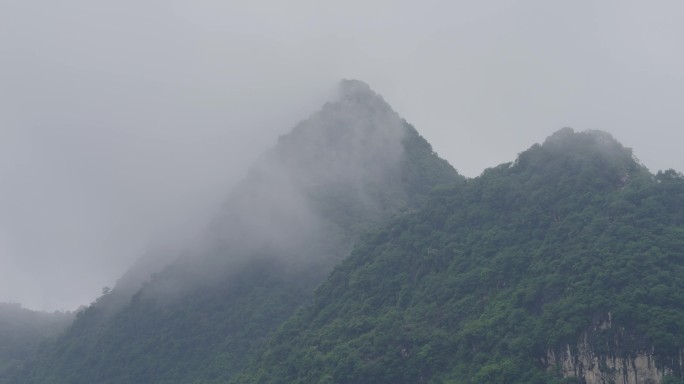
point(583, 362)
point(591, 368)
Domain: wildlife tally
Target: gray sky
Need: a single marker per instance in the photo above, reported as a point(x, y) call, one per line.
point(123, 123)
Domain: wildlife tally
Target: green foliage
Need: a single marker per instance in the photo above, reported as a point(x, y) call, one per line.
point(21, 333)
point(672, 380)
point(204, 334)
point(493, 274)
point(476, 283)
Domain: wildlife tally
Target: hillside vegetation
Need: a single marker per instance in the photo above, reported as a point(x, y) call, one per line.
point(491, 275)
point(352, 254)
point(21, 333)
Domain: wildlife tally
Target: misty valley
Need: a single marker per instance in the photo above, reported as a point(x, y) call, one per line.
point(351, 253)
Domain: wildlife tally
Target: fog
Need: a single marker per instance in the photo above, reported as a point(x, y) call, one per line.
point(124, 124)
point(289, 200)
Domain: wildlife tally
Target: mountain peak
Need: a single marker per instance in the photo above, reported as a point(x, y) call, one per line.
point(568, 136)
point(351, 166)
point(348, 87)
point(360, 92)
point(355, 152)
point(592, 158)
point(590, 144)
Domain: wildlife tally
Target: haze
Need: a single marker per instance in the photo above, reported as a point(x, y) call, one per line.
point(124, 124)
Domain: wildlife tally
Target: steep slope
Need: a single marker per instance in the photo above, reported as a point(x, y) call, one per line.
point(21, 332)
point(567, 263)
point(349, 167)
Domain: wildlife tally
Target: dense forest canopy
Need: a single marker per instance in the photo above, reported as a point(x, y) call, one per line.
point(351, 253)
point(493, 275)
point(21, 333)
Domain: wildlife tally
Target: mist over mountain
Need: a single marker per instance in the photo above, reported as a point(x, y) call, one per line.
point(123, 124)
point(350, 167)
point(21, 333)
point(352, 253)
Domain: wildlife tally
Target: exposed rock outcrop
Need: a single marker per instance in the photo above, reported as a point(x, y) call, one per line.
point(583, 362)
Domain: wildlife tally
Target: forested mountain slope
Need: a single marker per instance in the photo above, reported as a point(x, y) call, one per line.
point(564, 266)
point(349, 167)
point(22, 331)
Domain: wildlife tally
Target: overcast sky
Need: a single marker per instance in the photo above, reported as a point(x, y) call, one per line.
point(123, 123)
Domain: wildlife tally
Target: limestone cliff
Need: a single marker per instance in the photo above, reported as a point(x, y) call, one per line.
point(591, 368)
point(618, 366)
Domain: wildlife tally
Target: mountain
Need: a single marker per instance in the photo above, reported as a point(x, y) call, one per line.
point(351, 253)
point(352, 166)
point(565, 266)
point(21, 333)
